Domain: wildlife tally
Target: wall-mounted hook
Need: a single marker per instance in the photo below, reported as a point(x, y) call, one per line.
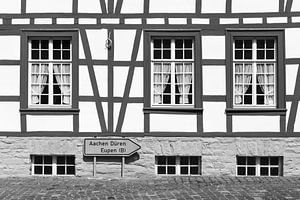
point(108, 42)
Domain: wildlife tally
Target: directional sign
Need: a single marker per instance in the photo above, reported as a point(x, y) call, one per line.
point(109, 147)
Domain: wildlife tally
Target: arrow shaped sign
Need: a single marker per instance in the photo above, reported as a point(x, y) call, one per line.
point(109, 147)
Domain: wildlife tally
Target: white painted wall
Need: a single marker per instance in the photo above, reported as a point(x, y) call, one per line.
point(120, 77)
point(172, 6)
point(123, 42)
point(214, 118)
point(105, 112)
point(137, 85)
point(92, 6)
point(10, 116)
point(292, 39)
point(10, 47)
point(213, 47)
point(117, 107)
point(49, 123)
point(173, 122)
point(134, 118)
point(295, 6)
point(254, 6)
point(49, 6)
point(101, 77)
point(10, 6)
point(214, 80)
point(140, 55)
point(291, 76)
point(288, 107)
point(85, 87)
point(255, 123)
point(97, 39)
point(297, 121)
point(88, 117)
point(9, 80)
point(80, 48)
point(132, 6)
point(213, 6)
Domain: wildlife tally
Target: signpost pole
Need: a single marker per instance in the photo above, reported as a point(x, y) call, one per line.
point(122, 166)
point(94, 166)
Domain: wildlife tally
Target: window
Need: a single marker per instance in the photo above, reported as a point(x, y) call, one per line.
point(53, 165)
point(254, 76)
point(259, 166)
point(50, 71)
point(172, 71)
point(178, 165)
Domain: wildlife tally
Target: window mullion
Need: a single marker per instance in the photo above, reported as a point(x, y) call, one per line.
point(173, 72)
point(254, 92)
point(50, 84)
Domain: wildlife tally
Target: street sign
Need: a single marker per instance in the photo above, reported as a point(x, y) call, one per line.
point(109, 147)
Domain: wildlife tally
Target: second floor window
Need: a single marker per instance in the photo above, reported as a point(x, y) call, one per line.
point(172, 71)
point(50, 69)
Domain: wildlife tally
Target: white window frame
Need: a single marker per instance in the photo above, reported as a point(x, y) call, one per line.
point(50, 61)
point(172, 61)
point(254, 61)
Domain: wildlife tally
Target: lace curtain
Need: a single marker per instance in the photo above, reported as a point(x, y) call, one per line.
point(183, 75)
point(62, 76)
point(266, 80)
point(39, 77)
point(243, 78)
point(161, 77)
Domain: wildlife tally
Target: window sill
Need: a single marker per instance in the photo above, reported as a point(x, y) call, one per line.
point(50, 111)
point(173, 110)
point(255, 111)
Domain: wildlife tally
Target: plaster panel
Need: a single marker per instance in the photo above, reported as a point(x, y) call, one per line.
point(85, 87)
point(295, 6)
point(292, 39)
point(169, 122)
point(288, 107)
point(43, 20)
point(101, 77)
point(214, 80)
point(275, 20)
point(133, 21)
point(88, 117)
point(49, 6)
point(123, 44)
point(213, 47)
point(155, 21)
point(49, 123)
point(140, 55)
point(10, 6)
point(255, 123)
point(172, 6)
point(213, 6)
point(229, 20)
point(134, 118)
point(255, 6)
point(10, 47)
point(65, 20)
point(117, 107)
point(87, 21)
point(81, 50)
point(120, 77)
point(297, 121)
point(9, 80)
point(252, 20)
point(214, 118)
point(93, 6)
point(132, 6)
point(97, 40)
point(200, 21)
point(136, 89)
point(291, 76)
point(10, 116)
point(20, 21)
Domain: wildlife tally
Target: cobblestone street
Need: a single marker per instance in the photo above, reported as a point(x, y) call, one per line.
point(159, 188)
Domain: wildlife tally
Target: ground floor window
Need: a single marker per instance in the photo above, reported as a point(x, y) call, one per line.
point(53, 164)
point(178, 165)
point(259, 165)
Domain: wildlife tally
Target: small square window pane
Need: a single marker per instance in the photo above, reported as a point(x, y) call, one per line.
point(264, 171)
point(248, 44)
point(166, 43)
point(44, 44)
point(166, 54)
point(264, 160)
point(184, 170)
point(194, 170)
point(35, 44)
point(171, 170)
point(161, 160)
point(35, 54)
point(157, 54)
point(44, 99)
point(184, 160)
point(56, 54)
point(38, 159)
point(167, 99)
point(47, 170)
point(157, 43)
point(251, 161)
point(57, 100)
point(241, 160)
point(260, 54)
point(238, 54)
point(248, 54)
point(274, 171)
point(47, 159)
point(270, 44)
point(251, 171)
point(188, 54)
point(71, 170)
point(66, 55)
point(260, 100)
point(171, 160)
point(61, 170)
point(66, 44)
point(238, 44)
point(60, 159)
point(274, 161)
point(178, 54)
point(270, 54)
point(247, 99)
point(161, 170)
point(194, 160)
point(70, 160)
point(241, 171)
point(56, 44)
point(38, 170)
point(44, 55)
point(261, 44)
point(188, 43)
point(178, 43)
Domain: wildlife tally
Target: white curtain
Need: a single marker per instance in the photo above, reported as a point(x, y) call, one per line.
point(62, 76)
point(184, 80)
point(242, 81)
point(266, 81)
point(161, 76)
point(39, 77)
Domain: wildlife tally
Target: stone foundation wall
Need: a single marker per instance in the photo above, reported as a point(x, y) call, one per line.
point(218, 154)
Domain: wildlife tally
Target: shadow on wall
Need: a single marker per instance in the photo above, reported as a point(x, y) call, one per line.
point(110, 159)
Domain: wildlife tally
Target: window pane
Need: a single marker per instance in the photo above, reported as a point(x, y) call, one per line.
point(161, 170)
point(161, 160)
point(241, 171)
point(261, 44)
point(248, 54)
point(274, 160)
point(47, 159)
point(171, 170)
point(194, 160)
point(157, 54)
point(264, 160)
point(66, 44)
point(251, 171)
point(274, 171)
point(183, 170)
point(264, 171)
point(166, 54)
point(71, 160)
point(179, 54)
point(194, 170)
point(270, 43)
point(260, 54)
point(238, 43)
point(188, 43)
point(238, 54)
point(171, 160)
point(44, 55)
point(38, 159)
point(188, 54)
point(56, 44)
point(48, 170)
point(34, 54)
point(270, 54)
point(56, 54)
point(71, 170)
point(66, 55)
point(157, 43)
point(178, 43)
point(61, 170)
point(241, 160)
point(251, 161)
point(248, 44)
point(38, 170)
point(60, 159)
point(184, 160)
point(166, 43)
point(44, 44)
point(35, 44)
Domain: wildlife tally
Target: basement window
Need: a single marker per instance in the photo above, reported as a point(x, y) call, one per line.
point(52, 165)
point(178, 165)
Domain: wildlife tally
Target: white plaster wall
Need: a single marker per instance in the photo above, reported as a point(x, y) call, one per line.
point(172, 6)
point(10, 6)
point(297, 121)
point(255, 123)
point(49, 123)
point(80, 48)
point(291, 76)
point(117, 107)
point(10, 116)
point(140, 55)
point(214, 80)
point(101, 77)
point(288, 107)
point(85, 87)
point(292, 39)
point(88, 117)
point(254, 6)
point(136, 89)
point(214, 118)
point(134, 118)
point(120, 77)
point(123, 42)
point(52, 6)
point(132, 6)
point(9, 80)
point(10, 47)
point(295, 6)
point(105, 112)
point(213, 47)
point(97, 39)
point(173, 122)
point(213, 6)
point(92, 6)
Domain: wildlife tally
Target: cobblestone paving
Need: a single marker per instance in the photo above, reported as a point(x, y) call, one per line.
point(171, 188)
